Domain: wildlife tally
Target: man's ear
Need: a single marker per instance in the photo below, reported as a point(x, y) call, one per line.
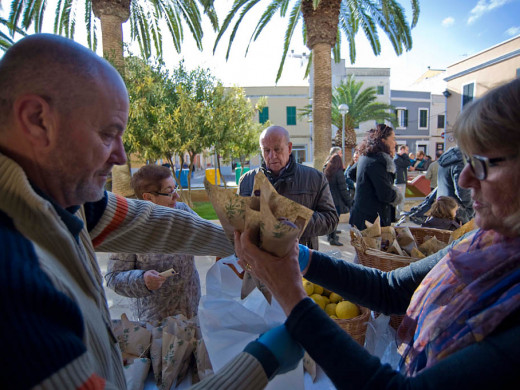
point(34, 116)
point(290, 147)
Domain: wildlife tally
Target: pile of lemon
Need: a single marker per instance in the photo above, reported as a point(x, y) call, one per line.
point(333, 304)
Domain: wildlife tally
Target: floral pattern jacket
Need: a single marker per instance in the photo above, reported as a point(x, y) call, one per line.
point(180, 294)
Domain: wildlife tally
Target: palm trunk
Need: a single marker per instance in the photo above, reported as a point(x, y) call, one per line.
point(322, 27)
point(112, 14)
point(322, 102)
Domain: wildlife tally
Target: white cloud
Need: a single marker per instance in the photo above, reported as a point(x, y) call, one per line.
point(513, 31)
point(447, 22)
point(483, 7)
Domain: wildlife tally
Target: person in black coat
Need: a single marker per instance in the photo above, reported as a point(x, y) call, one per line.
point(338, 189)
point(451, 165)
point(375, 190)
point(402, 164)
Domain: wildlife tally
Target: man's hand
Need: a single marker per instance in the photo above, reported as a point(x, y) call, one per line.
point(152, 280)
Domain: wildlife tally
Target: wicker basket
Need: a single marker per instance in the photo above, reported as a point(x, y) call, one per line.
point(356, 327)
point(388, 261)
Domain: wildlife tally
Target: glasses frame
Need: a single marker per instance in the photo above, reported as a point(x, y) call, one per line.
point(485, 163)
point(170, 195)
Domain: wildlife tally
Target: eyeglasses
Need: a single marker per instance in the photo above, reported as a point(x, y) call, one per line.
point(479, 164)
point(168, 194)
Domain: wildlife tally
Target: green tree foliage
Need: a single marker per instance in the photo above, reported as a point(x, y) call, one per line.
point(185, 112)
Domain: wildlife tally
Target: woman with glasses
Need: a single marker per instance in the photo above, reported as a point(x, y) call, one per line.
point(138, 275)
point(462, 305)
point(376, 194)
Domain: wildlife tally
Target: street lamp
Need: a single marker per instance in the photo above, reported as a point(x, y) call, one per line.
point(343, 109)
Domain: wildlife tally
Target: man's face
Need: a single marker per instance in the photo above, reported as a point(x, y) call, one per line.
point(276, 151)
point(89, 144)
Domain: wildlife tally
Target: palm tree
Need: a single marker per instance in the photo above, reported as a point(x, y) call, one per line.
point(144, 15)
point(324, 23)
point(362, 106)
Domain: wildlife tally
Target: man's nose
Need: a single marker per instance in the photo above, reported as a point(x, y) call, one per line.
point(118, 155)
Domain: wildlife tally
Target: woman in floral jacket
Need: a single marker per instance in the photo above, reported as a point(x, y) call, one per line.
point(137, 275)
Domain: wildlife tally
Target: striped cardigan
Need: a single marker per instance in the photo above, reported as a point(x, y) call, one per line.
point(56, 324)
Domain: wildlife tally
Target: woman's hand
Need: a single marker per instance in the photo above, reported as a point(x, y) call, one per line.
point(152, 280)
point(281, 275)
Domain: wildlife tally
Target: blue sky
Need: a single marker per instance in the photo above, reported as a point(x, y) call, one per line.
point(447, 32)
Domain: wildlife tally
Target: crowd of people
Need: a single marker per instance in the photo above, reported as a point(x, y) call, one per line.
point(63, 112)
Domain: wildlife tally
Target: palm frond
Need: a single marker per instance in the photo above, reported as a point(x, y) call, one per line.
point(227, 20)
point(264, 20)
point(294, 17)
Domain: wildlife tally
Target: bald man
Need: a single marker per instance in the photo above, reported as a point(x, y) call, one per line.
point(304, 185)
point(63, 111)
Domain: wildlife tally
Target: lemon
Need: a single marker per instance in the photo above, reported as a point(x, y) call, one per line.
point(334, 317)
point(330, 309)
point(318, 289)
point(319, 300)
point(335, 298)
point(326, 300)
point(346, 310)
point(308, 287)
point(326, 292)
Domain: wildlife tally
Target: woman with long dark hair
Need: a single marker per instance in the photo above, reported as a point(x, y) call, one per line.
point(375, 190)
point(339, 191)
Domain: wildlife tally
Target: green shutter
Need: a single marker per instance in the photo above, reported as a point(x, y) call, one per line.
point(405, 118)
point(291, 116)
point(264, 115)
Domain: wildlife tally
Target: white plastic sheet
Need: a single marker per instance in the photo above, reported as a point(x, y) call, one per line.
point(228, 323)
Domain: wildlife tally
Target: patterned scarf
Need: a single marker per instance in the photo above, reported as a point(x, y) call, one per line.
point(461, 300)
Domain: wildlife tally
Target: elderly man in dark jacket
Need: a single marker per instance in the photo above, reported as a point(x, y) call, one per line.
point(451, 165)
point(304, 185)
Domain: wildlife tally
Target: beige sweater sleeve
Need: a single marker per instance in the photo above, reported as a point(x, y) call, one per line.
point(244, 372)
point(136, 226)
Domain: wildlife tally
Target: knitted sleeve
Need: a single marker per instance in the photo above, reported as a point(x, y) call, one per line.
point(136, 226)
point(42, 329)
point(245, 371)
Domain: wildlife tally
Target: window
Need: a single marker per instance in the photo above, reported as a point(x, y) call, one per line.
point(291, 116)
point(264, 115)
point(423, 118)
point(440, 121)
point(380, 89)
point(299, 153)
point(402, 118)
point(468, 92)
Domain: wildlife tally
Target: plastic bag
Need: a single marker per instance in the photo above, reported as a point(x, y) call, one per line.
point(229, 323)
point(380, 340)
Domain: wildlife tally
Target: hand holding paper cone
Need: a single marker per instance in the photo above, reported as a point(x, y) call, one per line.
point(275, 220)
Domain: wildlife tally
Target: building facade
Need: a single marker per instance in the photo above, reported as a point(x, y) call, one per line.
point(472, 77)
point(413, 111)
point(283, 109)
